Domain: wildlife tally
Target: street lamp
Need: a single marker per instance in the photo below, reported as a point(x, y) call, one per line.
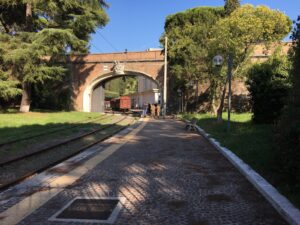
point(229, 74)
point(165, 78)
point(190, 84)
point(218, 61)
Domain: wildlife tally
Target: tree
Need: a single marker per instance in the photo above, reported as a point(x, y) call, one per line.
point(188, 33)
point(288, 132)
point(231, 5)
point(42, 34)
point(236, 34)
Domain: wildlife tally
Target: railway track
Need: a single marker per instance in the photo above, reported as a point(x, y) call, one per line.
point(38, 151)
point(60, 128)
point(19, 149)
point(15, 170)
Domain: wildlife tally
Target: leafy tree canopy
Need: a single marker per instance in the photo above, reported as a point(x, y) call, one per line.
point(231, 5)
point(236, 35)
point(250, 25)
point(188, 33)
point(79, 18)
point(197, 35)
point(35, 34)
point(8, 87)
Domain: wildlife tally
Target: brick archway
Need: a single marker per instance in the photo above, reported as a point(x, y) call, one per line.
point(87, 94)
point(90, 70)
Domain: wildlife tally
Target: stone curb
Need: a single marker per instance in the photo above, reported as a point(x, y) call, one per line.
point(284, 207)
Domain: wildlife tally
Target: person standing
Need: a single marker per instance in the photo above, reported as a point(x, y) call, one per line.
point(144, 112)
point(156, 111)
point(153, 110)
point(149, 109)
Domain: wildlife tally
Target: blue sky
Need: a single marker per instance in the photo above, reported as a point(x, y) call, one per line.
point(137, 25)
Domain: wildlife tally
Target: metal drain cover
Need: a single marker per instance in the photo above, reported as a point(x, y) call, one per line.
point(80, 209)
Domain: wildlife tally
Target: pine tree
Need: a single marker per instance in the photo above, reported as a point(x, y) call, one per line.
point(231, 5)
point(42, 33)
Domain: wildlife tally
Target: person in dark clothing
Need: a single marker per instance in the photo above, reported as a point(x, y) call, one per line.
point(155, 111)
point(149, 109)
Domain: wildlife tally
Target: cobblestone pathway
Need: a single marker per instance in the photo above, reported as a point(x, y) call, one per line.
point(168, 176)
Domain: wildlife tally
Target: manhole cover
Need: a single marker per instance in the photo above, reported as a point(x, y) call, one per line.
point(99, 210)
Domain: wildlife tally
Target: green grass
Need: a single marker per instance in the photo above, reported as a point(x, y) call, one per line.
point(18, 125)
point(253, 143)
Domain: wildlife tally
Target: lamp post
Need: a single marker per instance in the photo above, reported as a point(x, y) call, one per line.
point(218, 61)
point(165, 78)
point(179, 91)
point(229, 74)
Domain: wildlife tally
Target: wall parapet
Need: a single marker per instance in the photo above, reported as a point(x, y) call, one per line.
point(122, 57)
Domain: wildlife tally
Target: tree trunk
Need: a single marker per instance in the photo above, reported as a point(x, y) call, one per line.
point(4, 26)
point(196, 95)
point(220, 109)
point(185, 99)
point(214, 108)
point(26, 87)
point(26, 97)
point(183, 102)
point(28, 10)
point(212, 95)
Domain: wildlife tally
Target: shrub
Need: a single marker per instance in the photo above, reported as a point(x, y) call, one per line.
point(53, 95)
point(288, 132)
point(268, 84)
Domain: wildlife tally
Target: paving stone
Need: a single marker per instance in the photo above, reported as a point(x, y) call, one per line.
point(168, 177)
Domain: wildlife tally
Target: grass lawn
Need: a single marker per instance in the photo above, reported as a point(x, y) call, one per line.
point(253, 143)
point(18, 125)
point(42, 122)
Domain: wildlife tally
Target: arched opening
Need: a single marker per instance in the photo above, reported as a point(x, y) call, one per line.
point(139, 89)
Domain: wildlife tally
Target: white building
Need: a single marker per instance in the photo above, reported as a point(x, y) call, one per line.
point(148, 93)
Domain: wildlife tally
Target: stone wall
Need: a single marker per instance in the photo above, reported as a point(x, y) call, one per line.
point(240, 94)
